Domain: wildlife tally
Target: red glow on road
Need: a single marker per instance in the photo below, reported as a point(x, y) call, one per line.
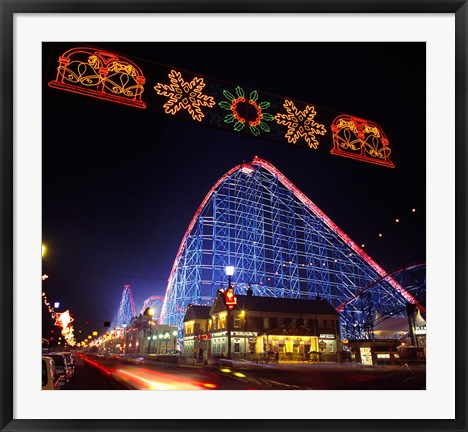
point(148, 379)
point(97, 365)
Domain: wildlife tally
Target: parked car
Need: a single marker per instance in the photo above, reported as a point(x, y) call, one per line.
point(70, 362)
point(50, 379)
point(61, 368)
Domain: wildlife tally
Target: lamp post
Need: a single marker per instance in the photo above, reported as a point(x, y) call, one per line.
point(174, 333)
point(148, 315)
point(149, 344)
point(155, 336)
point(160, 339)
point(229, 272)
point(167, 336)
point(229, 300)
point(124, 325)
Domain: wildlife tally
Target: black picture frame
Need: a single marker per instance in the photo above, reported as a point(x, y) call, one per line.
point(9, 8)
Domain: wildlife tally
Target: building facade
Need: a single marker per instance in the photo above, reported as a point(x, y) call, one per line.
point(146, 336)
point(292, 329)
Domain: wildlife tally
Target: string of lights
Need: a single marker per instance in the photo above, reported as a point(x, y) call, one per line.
point(62, 320)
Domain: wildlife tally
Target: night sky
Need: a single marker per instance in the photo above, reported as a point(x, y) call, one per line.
point(121, 184)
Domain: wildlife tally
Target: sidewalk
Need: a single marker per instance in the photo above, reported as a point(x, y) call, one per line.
point(244, 364)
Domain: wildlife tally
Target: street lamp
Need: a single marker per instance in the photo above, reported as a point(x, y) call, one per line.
point(174, 333)
point(229, 300)
point(124, 325)
point(167, 336)
point(229, 272)
point(160, 337)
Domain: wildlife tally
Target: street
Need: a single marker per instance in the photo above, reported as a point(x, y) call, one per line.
point(97, 372)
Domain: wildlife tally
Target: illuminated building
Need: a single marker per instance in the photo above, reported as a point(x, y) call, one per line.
point(146, 336)
point(197, 327)
point(296, 329)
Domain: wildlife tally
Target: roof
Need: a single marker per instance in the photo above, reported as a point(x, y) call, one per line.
point(197, 312)
point(399, 324)
point(395, 324)
point(277, 304)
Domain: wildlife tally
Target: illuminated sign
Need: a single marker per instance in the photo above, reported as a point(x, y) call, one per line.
point(241, 333)
point(366, 356)
point(383, 356)
point(420, 330)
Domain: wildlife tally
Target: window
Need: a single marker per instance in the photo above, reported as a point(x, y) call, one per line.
point(237, 322)
point(236, 347)
point(222, 321)
point(266, 323)
point(329, 323)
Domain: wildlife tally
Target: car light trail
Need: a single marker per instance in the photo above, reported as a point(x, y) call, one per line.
point(148, 379)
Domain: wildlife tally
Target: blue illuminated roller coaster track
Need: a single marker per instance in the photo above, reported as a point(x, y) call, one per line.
point(280, 243)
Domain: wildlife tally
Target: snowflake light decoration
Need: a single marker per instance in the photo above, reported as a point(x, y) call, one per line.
point(242, 108)
point(184, 95)
point(300, 124)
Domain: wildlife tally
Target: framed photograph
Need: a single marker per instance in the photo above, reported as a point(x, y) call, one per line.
point(235, 210)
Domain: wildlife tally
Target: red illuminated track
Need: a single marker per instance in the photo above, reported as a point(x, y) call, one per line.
point(310, 205)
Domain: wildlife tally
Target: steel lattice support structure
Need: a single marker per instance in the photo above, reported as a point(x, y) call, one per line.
point(127, 307)
point(280, 243)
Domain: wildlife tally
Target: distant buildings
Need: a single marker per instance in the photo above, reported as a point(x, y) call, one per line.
point(145, 335)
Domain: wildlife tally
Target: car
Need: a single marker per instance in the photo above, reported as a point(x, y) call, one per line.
point(70, 362)
point(61, 368)
point(50, 379)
